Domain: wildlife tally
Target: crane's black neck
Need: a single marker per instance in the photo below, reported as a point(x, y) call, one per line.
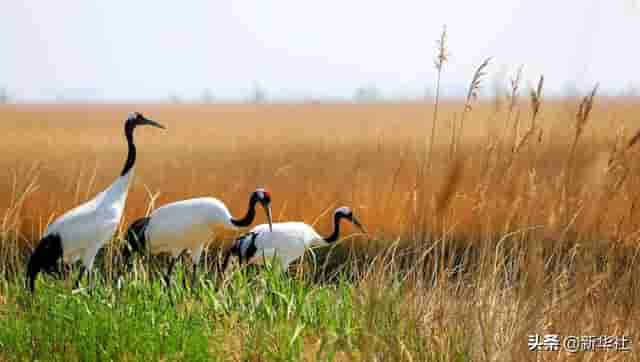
point(336, 229)
point(248, 217)
point(131, 154)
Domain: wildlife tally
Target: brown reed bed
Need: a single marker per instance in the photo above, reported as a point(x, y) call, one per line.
point(527, 221)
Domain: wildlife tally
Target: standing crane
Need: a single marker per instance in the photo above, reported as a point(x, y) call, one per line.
point(81, 232)
point(286, 242)
point(186, 226)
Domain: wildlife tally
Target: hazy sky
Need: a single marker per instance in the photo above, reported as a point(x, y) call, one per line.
point(144, 50)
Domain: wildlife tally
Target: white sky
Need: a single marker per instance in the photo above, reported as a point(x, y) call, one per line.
point(145, 50)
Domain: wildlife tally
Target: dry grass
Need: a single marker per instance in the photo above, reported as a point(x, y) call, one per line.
point(314, 157)
point(519, 229)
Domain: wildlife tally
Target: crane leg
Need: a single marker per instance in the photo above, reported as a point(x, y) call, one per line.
point(184, 278)
point(196, 253)
point(167, 277)
point(82, 271)
point(90, 276)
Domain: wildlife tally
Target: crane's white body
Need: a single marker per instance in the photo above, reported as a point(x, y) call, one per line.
point(82, 231)
point(86, 228)
point(185, 225)
point(287, 242)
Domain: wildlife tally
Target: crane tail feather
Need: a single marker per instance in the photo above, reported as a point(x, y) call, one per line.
point(44, 257)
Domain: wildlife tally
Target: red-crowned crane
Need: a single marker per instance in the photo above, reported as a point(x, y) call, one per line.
point(186, 226)
point(81, 232)
point(286, 242)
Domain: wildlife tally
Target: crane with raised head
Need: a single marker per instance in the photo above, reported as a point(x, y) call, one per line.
point(81, 232)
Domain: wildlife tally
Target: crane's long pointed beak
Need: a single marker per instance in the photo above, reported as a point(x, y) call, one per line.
point(154, 123)
point(357, 223)
point(267, 209)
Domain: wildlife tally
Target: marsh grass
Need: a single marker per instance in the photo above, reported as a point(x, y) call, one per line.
point(255, 315)
point(448, 302)
point(518, 229)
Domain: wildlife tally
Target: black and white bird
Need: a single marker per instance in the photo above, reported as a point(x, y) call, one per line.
point(81, 232)
point(286, 241)
point(186, 226)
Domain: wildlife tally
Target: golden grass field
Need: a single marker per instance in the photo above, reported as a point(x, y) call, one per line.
point(551, 221)
point(316, 157)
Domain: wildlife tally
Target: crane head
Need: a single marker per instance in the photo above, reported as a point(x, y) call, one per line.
point(264, 198)
point(137, 119)
point(346, 213)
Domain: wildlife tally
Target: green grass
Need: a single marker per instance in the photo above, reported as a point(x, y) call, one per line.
point(394, 306)
point(254, 315)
